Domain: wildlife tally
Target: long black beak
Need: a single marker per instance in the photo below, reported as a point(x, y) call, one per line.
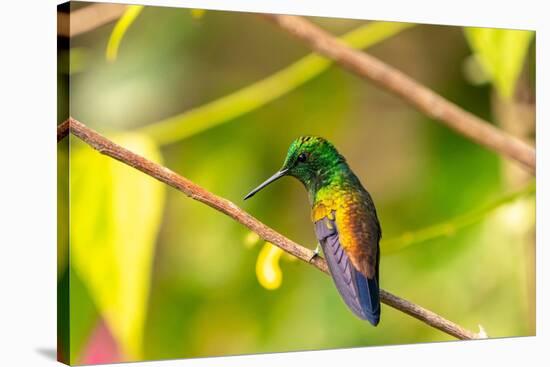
point(275, 177)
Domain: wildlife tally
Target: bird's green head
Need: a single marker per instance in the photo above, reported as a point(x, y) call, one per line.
point(310, 159)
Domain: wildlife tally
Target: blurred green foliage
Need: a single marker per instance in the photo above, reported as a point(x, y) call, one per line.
point(259, 93)
point(451, 226)
point(174, 278)
point(501, 53)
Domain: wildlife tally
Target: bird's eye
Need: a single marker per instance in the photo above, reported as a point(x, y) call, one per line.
point(302, 157)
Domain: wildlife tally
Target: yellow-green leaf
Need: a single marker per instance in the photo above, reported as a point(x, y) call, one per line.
point(268, 270)
point(62, 207)
point(501, 53)
point(115, 215)
point(197, 13)
point(122, 25)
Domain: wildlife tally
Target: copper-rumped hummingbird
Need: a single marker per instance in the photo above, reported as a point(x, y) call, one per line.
point(344, 218)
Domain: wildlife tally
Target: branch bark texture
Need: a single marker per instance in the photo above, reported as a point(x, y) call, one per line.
point(194, 191)
point(87, 19)
point(416, 94)
point(63, 130)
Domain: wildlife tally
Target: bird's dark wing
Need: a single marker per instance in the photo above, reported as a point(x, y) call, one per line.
point(360, 293)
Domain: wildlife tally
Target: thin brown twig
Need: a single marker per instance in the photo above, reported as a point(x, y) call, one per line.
point(194, 191)
point(418, 95)
point(63, 130)
point(87, 19)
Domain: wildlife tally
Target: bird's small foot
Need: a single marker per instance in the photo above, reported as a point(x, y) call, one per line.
point(315, 253)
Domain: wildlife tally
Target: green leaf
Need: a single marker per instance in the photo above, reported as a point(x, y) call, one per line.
point(115, 215)
point(501, 53)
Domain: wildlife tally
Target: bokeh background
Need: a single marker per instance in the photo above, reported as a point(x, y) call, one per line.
point(152, 274)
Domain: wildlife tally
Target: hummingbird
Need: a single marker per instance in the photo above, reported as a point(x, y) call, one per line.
point(345, 221)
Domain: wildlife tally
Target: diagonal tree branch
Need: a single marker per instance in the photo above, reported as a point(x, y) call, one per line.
point(163, 174)
point(418, 95)
point(87, 19)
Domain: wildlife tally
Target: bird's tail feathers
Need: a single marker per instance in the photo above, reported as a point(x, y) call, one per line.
point(369, 297)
